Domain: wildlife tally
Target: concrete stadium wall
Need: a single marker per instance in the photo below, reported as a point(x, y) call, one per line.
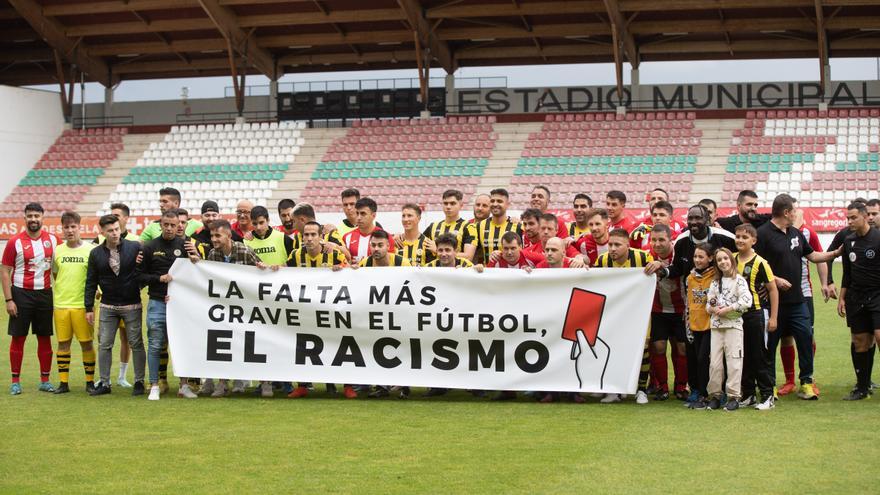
point(165, 112)
point(30, 121)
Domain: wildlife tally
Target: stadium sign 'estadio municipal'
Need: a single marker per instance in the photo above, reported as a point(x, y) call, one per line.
point(727, 96)
point(503, 329)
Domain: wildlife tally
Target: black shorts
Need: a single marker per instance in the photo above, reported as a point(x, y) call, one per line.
point(34, 312)
point(666, 326)
point(862, 312)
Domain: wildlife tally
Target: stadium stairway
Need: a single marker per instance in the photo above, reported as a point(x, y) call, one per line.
point(708, 181)
point(508, 149)
point(134, 146)
point(316, 143)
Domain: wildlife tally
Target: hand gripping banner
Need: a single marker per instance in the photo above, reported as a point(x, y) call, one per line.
point(503, 329)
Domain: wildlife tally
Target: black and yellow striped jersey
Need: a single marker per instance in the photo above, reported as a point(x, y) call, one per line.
point(301, 258)
point(459, 263)
point(465, 232)
point(489, 234)
point(575, 232)
point(415, 251)
point(333, 237)
point(757, 273)
point(393, 260)
point(635, 259)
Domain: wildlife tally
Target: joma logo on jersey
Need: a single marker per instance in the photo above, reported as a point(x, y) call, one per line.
point(72, 259)
point(265, 250)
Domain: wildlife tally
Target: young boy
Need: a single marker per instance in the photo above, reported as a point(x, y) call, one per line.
point(757, 320)
point(620, 255)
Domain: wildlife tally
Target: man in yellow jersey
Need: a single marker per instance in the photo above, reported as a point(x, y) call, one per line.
point(620, 255)
point(380, 255)
point(122, 212)
point(581, 208)
point(447, 257)
point(464, 232)
point(313, 255)
point(304, 213)
point(70, 264)
point(447, 254)
point(490, 230)
point(413, 244)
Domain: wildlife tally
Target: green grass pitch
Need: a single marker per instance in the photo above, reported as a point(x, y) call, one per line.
point(454, 444)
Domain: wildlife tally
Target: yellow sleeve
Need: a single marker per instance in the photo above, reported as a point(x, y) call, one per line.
point(363, 262)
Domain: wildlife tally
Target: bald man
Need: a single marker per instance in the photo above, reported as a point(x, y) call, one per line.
point(481, 208)
point(243, 225)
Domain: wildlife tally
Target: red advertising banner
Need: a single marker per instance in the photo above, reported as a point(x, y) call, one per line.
point(820, 219)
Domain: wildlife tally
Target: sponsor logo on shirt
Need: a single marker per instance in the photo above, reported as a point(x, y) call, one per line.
point(795, 242)
point(265, 250)
point(870, 253)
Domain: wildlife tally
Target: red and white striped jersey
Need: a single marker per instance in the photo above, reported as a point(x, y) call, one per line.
point(31, 260)
point(813, 240)
point(669, 296)
point(359, 244)
point(529, 259)
point(588, 246)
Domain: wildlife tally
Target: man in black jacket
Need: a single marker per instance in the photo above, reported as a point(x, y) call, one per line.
point(698, 232)
point(112, 267)
point(159, 255)
point(746, 212)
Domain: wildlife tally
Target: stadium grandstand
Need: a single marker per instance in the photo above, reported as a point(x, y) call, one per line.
point(816, 139)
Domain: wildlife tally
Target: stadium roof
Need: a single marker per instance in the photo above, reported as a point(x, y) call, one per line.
point(113, 40)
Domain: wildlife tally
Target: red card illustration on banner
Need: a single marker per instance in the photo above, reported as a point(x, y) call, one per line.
point(584, 313)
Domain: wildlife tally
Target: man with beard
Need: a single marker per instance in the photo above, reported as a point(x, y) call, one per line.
point(547, 229)
point(201, 239)
point(490, 230)
point(746, 212)
point(581, 208)
point(285, 213)
point(540, 200)
point(595, 243)
point(304, 213)
point(531, 227)
point(27, 287)
point(698, 232)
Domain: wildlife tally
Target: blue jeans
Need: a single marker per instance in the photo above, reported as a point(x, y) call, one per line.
point(157, 334)
point(796, 319)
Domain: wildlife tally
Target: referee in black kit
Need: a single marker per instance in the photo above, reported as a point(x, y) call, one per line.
point(860, 295)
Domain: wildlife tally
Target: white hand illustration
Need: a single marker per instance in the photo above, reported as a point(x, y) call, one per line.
point(590, 361)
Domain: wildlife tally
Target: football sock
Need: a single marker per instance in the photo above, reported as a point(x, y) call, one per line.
point(44, 354)
point(680, 365)
point(89, 364)
point(63, 359)
point(787, 354)
point(123, 367)
point(661, 371)
point(16, 354)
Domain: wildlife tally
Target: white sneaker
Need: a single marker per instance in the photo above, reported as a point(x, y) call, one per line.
point(123, 383)
point(266, 389)
point(154, 393)
point(641, 397)
point(186, 392)
point(610, 398)
point(768, 404)
point(220, 390)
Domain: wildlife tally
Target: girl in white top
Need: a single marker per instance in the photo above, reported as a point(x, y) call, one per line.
point(729, 296)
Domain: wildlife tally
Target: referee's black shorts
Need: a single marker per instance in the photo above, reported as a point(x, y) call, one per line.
point(667, 326)
point(862, 312)
point(34, 312)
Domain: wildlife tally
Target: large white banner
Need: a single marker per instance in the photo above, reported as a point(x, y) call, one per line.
point(503, 329)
